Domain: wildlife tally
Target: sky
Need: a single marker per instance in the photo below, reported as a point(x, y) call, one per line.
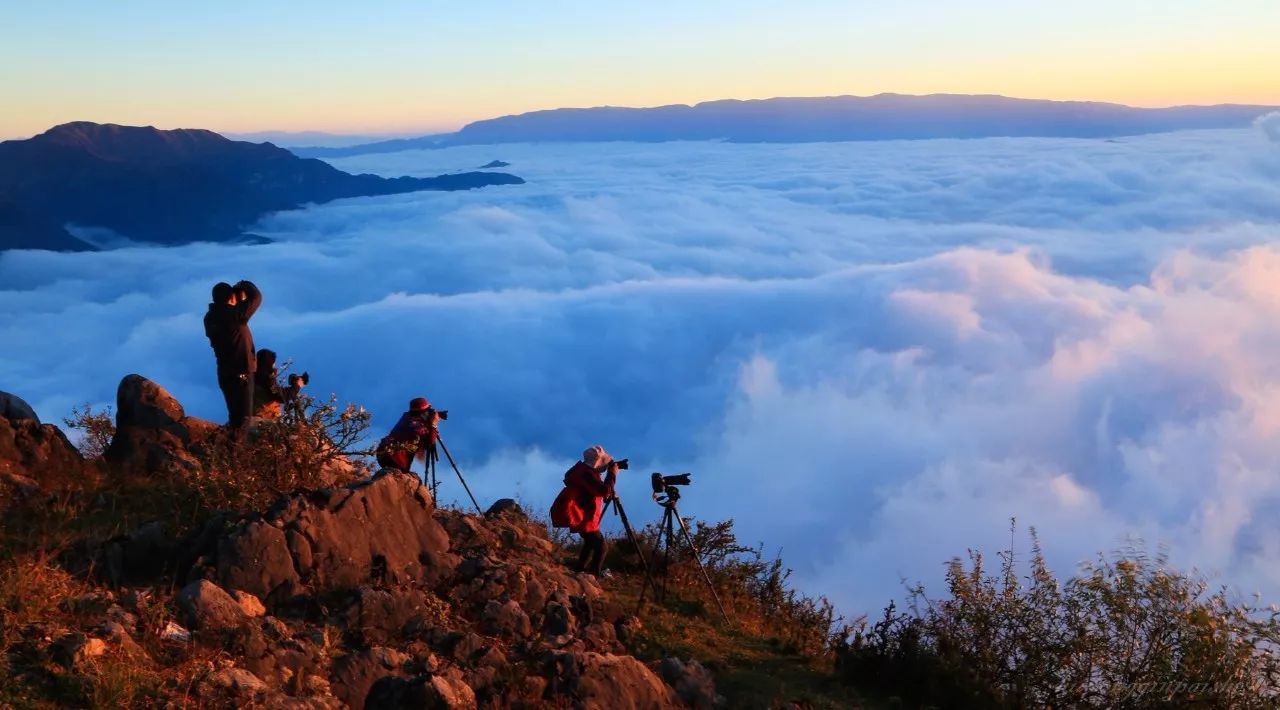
point(870, 355)
point(416, 66)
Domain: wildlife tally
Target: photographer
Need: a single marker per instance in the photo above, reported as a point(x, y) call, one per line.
point(589, 491)
point(414, 434)
point(268, 395)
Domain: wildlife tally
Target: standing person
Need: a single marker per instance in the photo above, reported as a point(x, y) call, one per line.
point(415, 433)
point(589, 492)
point(226, 324)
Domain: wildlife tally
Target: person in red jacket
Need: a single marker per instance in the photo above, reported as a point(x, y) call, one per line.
point(589, 492)
point(415, 433)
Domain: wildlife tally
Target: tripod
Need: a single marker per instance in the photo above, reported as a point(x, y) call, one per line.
point(635, 542)
point(430, 464)
point(671, 516)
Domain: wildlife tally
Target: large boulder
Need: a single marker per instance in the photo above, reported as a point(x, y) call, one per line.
point(14, 408)
point(692, 682)
point(603, 680)
point(151, 431)
point(138, 556)
point(354, 674)
point(376, 531)
point(207, 607)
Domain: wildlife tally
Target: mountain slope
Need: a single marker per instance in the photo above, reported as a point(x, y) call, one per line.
point(833, 118)
point(169, 187)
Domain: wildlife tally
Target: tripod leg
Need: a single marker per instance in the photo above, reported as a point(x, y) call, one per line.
point(635, 542)
point(669, 531)
point(440, 440)
point(697, 557)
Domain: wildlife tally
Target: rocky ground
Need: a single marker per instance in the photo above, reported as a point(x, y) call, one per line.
point(359, 594)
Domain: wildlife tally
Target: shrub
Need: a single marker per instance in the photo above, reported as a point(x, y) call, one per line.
point(1126, 631)
point(95, 429)
point(308, 446)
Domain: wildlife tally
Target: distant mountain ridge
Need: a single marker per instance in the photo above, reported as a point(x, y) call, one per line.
point(832, 118)
point(169, 187)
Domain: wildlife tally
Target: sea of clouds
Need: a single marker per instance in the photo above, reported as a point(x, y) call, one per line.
point(870, 355)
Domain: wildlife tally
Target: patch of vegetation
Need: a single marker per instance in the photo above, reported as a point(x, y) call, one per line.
point(777, 646)
point(1126, 631)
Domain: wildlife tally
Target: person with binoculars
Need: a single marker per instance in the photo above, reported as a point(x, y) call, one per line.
point(581, 503)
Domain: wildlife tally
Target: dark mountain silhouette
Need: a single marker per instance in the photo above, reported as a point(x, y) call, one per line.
point(835, 118)
point(169, 187)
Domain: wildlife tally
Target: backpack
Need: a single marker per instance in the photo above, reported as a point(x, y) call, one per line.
point(565, 511)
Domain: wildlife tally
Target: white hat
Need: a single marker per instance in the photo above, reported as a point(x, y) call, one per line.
point(596, 457)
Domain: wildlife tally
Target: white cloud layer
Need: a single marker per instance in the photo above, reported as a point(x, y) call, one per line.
point(870, 355)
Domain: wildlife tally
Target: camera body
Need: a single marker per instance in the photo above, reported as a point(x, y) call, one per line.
point(304, 378)
point(444, 413)
point(665, 491)
point(661, 483)
point(623, 464)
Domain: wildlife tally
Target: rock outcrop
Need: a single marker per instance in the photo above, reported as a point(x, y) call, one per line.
point(32, 453)
point(375, 531)
point(14, 408)
point(153, 432)
point(361, 595)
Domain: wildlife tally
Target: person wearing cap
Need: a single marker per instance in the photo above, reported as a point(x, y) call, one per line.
point(590, 491)
point(414, 434)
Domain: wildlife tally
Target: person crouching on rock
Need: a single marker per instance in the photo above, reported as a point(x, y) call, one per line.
point(589, 492)
point(268, 396)
point(414, 434)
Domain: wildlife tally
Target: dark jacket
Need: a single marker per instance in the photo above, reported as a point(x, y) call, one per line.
point(227, 328)
point(589, 491)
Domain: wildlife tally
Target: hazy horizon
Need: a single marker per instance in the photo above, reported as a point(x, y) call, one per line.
point(345, 137)
point(406, 66)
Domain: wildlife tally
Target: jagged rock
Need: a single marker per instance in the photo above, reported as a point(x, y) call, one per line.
point(600, 636)
point(257, 560)
point(355, 673)
point(506, 618)
point(73, 649)
point(378, 530)
point(626, 628)
point(174, 633)
point(598, 680)
point(32, 453)
point(14, 408)
point(139, 556)
point(557, 623)
point(504, 506)
point(692, 682)
point(151, 435)
point(249, 604)
point(236, 681)
point(206, 606)
point(382, 614)
point(431, 691)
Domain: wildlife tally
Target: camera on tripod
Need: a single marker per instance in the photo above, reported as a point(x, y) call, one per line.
point(660, 482)
point(665, 492)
